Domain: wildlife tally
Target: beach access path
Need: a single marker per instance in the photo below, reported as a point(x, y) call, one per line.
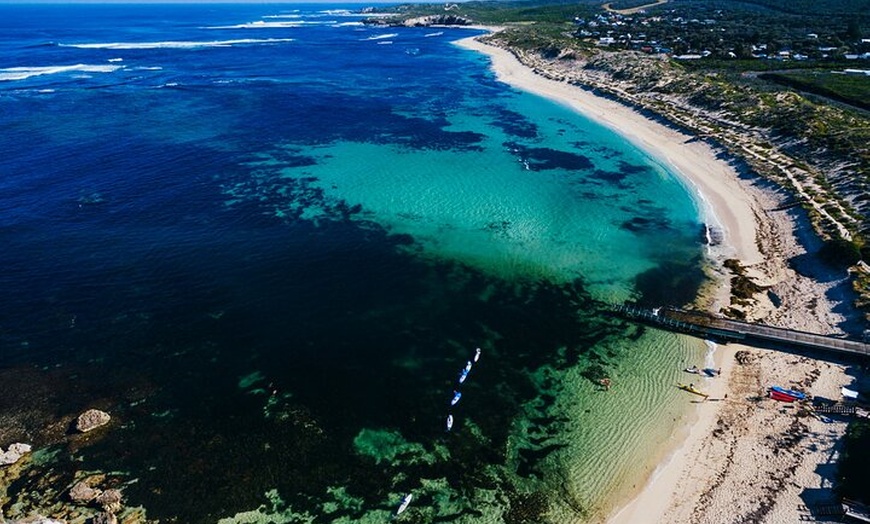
point(741, 456)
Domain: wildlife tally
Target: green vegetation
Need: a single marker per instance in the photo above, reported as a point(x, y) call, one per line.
point(630, 4)
point(499, 13)
point(816, 7)
point(850, 89)
point(855, 462)
point(840, 253)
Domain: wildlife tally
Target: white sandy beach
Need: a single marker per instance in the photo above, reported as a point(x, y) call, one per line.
point(735, 460)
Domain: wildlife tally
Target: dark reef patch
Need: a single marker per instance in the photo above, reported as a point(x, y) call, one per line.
point(633, 169)
point(671, 284)
point(514, 123)
point(264, 300)
point(545, 158)
point(646, 224)
point(616, 178)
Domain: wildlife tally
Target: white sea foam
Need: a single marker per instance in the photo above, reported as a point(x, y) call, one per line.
point(115, 60)
point(283, 16)
point(178, 44)
point(339, 12)
point(258, 24)
point(381, 37)
point(22, 73)
point(348, 24)
point(262, 24)
point(386, 42)
point(350, 14)
point(439, 33)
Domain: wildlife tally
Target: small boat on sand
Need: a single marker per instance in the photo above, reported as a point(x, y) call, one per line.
point(456, 398)
point(405, 502)
point(692, 389)
point(785, 395)
point(694, 370)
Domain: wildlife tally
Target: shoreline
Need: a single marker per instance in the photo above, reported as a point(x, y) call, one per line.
point(711, 463)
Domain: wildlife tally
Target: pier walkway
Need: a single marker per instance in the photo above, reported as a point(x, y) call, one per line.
point(727, 330)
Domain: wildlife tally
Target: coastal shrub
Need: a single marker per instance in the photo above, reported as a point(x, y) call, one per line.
point(840, 253)
point(854, 464)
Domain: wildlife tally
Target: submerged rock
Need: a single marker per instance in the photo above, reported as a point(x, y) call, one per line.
point(83, 493)
point(105, 518)
point(110, 500)
point(37, 520)
point(92, 419)
point(13, 454)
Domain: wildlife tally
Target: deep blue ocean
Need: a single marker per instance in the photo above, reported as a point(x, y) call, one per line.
point(266, 238)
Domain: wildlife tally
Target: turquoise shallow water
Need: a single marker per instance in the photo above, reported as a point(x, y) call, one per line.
point(267, 239)
point(567, 199)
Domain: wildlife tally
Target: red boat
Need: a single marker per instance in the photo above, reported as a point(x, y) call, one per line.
point(781, 396)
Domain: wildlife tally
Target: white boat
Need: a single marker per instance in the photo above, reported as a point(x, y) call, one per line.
point(405, 502)
point(463, 375)
point(449, 422)
point(468, 366)
point(477, 354)
point(456, 398)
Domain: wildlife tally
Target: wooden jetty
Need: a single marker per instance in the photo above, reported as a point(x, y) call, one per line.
point(726, 330)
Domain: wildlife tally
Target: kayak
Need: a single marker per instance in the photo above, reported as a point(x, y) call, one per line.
point(405, 502)
point(691, 389)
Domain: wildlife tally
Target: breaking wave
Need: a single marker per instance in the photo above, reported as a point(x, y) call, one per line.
point(381, 37)
point(22, 73)
point(178, 44)
point(262, 24)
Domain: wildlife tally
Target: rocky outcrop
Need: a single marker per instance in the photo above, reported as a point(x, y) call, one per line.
point(82, 493)
point(13, 454)
point(110, 500)
point(92, 419)
point(426, 21)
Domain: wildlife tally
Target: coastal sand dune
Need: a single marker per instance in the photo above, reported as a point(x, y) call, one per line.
point(744, 457)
